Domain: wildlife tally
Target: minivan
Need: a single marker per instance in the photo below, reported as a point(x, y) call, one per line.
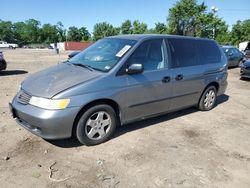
point(119, 80)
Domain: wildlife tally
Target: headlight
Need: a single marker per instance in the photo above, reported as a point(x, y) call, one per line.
point(49, 104)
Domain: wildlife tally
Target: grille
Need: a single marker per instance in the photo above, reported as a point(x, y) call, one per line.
point(23, 97)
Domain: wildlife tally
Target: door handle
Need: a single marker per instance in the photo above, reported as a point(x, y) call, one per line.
point(179, 77)
point(166, 79)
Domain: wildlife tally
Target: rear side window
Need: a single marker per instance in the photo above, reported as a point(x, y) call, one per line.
point(183, 52)
point(208, 51)
point(189, 52)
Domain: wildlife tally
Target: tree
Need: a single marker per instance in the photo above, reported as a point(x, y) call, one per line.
point(182, 17)
point(75, 34)
point(84, 33)
point(127, 27)
point(104, 29)
point(139, 27)
point(49, 34)
point(61, 32)
point(32, 30)
point(160, 28)
point(20, 35)
point(240, 32)
point(211, 26)
point(189, 18)
point(6, 31)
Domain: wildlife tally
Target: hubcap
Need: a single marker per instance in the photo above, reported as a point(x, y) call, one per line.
point(209, 99)
point(98, 125)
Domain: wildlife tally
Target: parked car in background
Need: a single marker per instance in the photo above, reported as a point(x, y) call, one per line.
point(8, 45)
point(245, 48)
point(245, 69)
point(3, 63)
point(50, 47)
point(119, 80)
point(234, 56)
point(72, 54)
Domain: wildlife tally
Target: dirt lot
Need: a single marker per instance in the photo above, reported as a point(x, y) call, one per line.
point(183, 149)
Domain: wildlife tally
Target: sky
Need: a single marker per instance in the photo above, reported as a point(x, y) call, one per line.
point(86, 13)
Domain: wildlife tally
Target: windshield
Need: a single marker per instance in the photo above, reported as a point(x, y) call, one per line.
point(226, 50)
point(104, 54)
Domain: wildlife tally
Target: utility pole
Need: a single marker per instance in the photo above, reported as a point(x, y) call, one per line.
point(214, 10)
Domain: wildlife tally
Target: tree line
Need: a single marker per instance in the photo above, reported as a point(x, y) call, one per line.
point(186, 17)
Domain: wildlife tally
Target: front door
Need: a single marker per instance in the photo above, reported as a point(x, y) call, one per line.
point(149, 92)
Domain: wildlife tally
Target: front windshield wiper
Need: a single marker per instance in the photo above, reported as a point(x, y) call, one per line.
point(82, 65)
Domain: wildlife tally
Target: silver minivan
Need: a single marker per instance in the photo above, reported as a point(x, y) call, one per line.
point(119, 80)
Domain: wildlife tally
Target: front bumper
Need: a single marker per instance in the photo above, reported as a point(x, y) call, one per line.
point(48, 124)
point(245, 73)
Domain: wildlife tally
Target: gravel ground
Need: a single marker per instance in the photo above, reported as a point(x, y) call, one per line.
point(188, 148)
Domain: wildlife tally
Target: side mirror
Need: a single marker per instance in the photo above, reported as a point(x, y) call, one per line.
point(73, 54)
point(135, 69)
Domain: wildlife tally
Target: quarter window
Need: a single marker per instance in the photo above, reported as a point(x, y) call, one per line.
point(208, 51)
point(191, 52)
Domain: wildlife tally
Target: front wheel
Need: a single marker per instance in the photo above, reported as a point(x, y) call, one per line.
point(208, 99)
point(96, 125)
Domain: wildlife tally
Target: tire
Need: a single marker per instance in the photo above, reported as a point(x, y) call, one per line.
point(208, 99)
point(3, 65)
point(96, 125)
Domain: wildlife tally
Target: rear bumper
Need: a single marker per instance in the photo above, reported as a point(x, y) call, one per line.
point(223, 84)
point(48, 124)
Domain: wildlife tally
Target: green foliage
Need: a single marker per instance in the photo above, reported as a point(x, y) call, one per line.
point(126, 27)
point(182, 17)
point(211, 26)
point(188, 17)
point(6, 31)
point(161, 28)
point(139, 27)
point(240, 32)
point(48, 34)
point(32, 30)
point(61, 32)
point(104, 29)
point(75, 34)
point(21, 36)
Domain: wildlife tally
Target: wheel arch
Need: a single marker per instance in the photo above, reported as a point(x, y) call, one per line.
point(215, 84)
point(109, 102)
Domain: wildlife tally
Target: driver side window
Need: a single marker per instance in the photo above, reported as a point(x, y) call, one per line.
point(150, 54)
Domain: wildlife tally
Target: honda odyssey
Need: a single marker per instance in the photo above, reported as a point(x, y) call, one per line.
point(119, 80)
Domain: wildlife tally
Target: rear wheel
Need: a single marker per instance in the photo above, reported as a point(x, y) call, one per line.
point(96, 125)
point(208, 99)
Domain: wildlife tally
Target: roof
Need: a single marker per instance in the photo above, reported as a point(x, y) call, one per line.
point(147, 36)
point(228, 46)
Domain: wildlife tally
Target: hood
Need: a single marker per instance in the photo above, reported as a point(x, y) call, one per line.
point(247, 63)
point(54, 80)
